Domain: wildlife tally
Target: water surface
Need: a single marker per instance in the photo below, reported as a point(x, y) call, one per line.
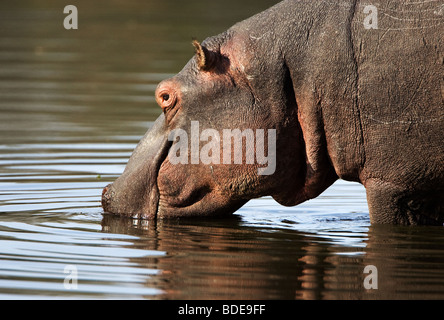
point(73, 105)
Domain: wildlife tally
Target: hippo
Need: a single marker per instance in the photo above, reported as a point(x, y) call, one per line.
point(342, 90)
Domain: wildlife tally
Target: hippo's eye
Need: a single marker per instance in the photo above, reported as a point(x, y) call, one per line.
point(165, 97)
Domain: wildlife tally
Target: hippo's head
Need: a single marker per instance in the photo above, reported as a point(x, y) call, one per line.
point(227, 134)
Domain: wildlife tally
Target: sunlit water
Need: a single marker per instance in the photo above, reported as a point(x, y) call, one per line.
point(73, 105)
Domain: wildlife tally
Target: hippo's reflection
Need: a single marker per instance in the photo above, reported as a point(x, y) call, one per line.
point(223, 259)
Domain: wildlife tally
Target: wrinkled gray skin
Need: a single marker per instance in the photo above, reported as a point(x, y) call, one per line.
point(347, 102)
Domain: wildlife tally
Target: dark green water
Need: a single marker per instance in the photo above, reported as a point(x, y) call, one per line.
point(73, 105)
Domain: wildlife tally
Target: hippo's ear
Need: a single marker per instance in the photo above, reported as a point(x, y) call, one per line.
point(206, 59)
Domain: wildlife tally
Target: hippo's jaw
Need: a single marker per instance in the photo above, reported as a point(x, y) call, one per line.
point(150, 204)
point(152, 188)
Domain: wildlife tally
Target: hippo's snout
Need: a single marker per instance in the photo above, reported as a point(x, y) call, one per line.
point(135, 192)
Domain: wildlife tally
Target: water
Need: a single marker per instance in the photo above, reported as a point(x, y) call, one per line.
point(73, 105)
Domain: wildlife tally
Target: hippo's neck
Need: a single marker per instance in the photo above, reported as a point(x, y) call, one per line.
point(312, 49)
point(321, 59)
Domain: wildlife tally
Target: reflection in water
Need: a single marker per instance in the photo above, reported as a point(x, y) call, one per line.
point(227, 260)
